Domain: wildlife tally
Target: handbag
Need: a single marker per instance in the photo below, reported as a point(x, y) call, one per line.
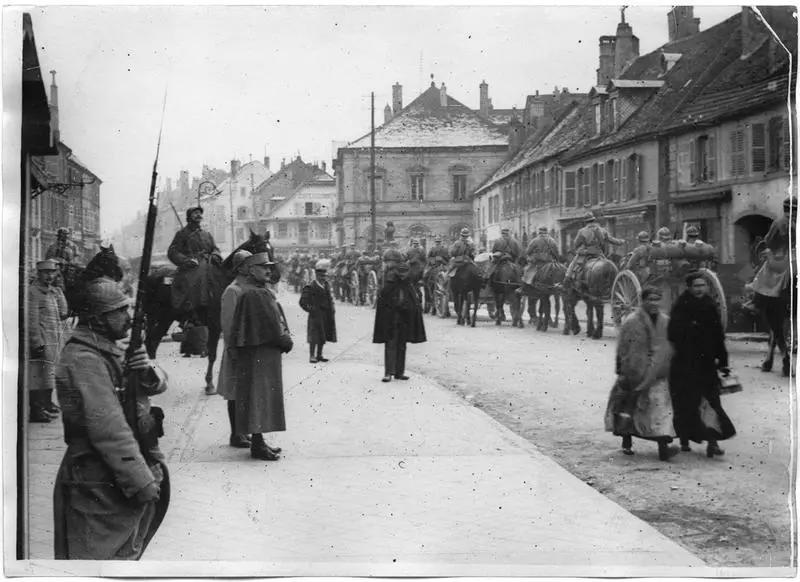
point(729, 384)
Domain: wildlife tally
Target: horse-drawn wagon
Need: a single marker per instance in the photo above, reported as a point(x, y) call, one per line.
point(364, 284)
point(664, 266)
point(461, 292)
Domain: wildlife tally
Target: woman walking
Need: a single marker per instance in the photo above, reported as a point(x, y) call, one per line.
point(639, 404)
point(696, 334)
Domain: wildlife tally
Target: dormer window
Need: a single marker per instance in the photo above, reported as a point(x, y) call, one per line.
point(598, 118)
point(668, 61)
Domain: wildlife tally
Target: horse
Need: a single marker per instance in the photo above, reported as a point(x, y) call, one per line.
point(159, 313)
point(466, 286)
point(505, 281)
point(429, 278)
point(593, 287)
point(775, 290)
point(546, 282)
point(74, 278)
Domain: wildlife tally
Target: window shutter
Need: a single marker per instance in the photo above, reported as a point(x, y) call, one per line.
point(787, 144)
point(774, 143)
point(569, 189)
point(758, 148)
point(711, 158)
point(601, 182)
point(693, 155)
point(623, 180)
point(737, 153)
point(635, 179)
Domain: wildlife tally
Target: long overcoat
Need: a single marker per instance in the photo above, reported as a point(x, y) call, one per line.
point(398, 309)
point(47, 309)
point(258, 324)
point(696, 334)
point(226, 382)
point(194, 286)
point(317, 301)
point(643, 361)
point(96, 516)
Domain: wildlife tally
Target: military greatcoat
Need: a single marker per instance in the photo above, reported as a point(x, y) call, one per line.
point(194, 286)
point(47, 308)
point(96, 515)
point(317, 301)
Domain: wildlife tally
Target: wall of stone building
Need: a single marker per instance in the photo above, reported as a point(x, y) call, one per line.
point(436, 214)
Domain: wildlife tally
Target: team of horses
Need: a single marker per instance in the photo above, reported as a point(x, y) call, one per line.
point(545, 290)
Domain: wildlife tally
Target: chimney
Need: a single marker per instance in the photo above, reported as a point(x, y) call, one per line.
point(266, 162)
point(443, 96)
point(483, 105)
point(515, 135)
point(626, 48)
point(682, 23)
point(606, 69)
point(387, 114)
point(283, 163)
point(754, 33)
point(397, 98)
point(235, 165)
point(54, 109)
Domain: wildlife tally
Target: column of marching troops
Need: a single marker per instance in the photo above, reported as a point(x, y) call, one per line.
point(112, 487)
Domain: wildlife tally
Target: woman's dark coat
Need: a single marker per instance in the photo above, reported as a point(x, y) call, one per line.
point(696, 334)
point(317, 301)
point(398, 308)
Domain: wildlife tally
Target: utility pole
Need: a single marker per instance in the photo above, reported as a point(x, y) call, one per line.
point(372, 174)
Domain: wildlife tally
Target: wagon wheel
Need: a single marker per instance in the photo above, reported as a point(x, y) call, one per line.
point(372, 288)
point(442, 295)
point(354, 287)
point(717, 293)
point(625, 295)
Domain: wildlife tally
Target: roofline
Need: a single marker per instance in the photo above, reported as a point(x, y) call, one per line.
point(419, 148)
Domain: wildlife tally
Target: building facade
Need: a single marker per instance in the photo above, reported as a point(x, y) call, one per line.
point(430, 157)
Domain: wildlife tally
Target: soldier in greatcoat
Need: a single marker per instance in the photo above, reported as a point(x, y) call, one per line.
point(542, 250)
point(111, 491)
point(591, 242)
point(462, 251)
point(398, 321)
point(506, 248)
point(196, 255)
point(226, 384)
point(259, 338)
point(317, 301)
point(47, 309)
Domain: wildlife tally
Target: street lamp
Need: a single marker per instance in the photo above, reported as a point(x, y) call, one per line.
point(208, 188)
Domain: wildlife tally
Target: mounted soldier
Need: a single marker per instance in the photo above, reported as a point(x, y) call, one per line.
point(506, 248)
point(461, 252)
point(437, 256)
point(196, 255)
point(541, 251)
point(591, 242)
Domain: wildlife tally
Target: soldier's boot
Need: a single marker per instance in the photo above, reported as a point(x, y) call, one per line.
point(312, 358)
point(239, 441)
point(260, 450)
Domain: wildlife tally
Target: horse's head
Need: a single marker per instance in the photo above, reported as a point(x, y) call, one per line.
point(104, 264)
point(257, 243)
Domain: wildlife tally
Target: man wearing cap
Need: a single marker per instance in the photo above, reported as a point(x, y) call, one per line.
point(461, 252)
point(64, 252)
point(541, 251)
point(591, 242)
point(226, 383)
point(259, 338)
point(438, 256)
point(47, 309)
point(317, 301)
point(664, 235)
point(506, 248)
point(639, 259)
point(416, 260)
point(111, 490)
point(195, 253)
point(398, 321)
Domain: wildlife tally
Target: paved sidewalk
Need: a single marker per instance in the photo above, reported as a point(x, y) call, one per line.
point(402, 478)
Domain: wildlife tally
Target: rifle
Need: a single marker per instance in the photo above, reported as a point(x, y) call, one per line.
point(131, 386)
point(177, 216)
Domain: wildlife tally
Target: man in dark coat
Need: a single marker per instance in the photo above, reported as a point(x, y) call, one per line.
point(541, 251)
point(259, 338)
point(506, 248)
point(591, 241)
point(696, 334)
point(111, 491)
point(197, 257)
point(398, 321)
point(317, 301)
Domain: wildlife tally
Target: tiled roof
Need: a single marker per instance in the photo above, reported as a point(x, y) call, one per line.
point(426, 123)
point(573, 126)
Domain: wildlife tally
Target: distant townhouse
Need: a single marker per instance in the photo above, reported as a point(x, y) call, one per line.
point(430, 156)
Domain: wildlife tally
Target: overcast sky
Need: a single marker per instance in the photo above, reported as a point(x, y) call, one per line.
point(285, 80)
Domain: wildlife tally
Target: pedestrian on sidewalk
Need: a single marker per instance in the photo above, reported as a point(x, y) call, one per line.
point(398, 320)
point(226, 382)
point(695, 331)
point(47, 310)
point(317, 301)
point(111, 491)
point(639, 404)
point(259, 338)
